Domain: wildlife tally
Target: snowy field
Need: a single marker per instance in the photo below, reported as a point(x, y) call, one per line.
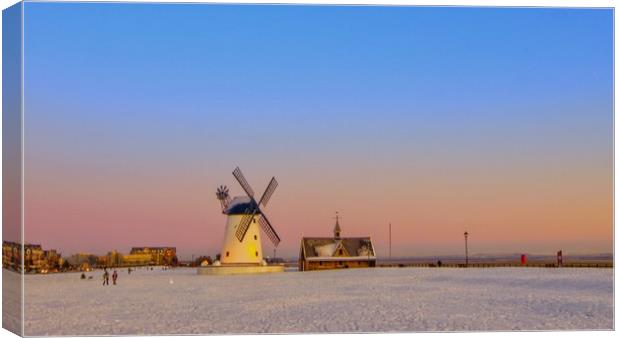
point(354, 300)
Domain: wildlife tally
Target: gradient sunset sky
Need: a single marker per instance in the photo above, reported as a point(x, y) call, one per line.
point(497, 121)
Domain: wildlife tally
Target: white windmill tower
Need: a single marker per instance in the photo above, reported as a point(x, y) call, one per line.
point(242, 250)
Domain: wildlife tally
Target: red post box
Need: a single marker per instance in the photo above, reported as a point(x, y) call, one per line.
point(523, 259)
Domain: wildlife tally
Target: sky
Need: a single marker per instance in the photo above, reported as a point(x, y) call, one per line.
point(11, 124)
point(495, 121)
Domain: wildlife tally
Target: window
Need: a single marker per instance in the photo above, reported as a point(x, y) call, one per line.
point(340, 252)
point(256, 253)
point(255, 237)
point(227, 253)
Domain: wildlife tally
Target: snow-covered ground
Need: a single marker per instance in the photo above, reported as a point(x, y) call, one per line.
point(11, 301)
point(363, 300)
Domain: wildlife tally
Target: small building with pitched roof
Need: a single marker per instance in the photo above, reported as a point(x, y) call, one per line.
point(318, 253)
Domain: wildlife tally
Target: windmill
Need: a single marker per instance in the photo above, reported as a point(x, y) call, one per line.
point(242, 243)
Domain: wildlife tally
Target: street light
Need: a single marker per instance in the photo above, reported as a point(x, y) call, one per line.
point(466, 254)
point(390, 235)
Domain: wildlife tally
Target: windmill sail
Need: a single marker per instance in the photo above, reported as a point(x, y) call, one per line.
point(244, 225)
point(269, 230)
point(244, 184)
point(273, 184)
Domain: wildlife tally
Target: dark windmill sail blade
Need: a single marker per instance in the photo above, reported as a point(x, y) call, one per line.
point(269, 230)
point(244, 225)
point(273, 184)
point(244, 184)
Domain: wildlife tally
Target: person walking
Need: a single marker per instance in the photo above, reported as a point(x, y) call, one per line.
point(106, 277)
point(114, 277)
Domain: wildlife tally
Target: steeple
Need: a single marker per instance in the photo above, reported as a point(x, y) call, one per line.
point(337, 229)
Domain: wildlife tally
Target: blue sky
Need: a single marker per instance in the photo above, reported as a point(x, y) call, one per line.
point(327, 97)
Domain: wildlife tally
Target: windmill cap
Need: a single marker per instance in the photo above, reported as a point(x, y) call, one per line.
point(239, 205)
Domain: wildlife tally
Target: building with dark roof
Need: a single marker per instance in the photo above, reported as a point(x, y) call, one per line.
point(336, 252)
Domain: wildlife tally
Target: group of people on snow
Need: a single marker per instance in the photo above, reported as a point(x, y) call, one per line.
point(106, 277)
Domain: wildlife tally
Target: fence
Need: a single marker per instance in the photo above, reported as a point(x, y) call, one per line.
point(503, 264)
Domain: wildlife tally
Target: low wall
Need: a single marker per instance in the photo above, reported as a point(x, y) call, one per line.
point(238, 270)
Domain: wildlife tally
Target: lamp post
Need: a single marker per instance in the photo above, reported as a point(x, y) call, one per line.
point(466, 253)
point(390, 232)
